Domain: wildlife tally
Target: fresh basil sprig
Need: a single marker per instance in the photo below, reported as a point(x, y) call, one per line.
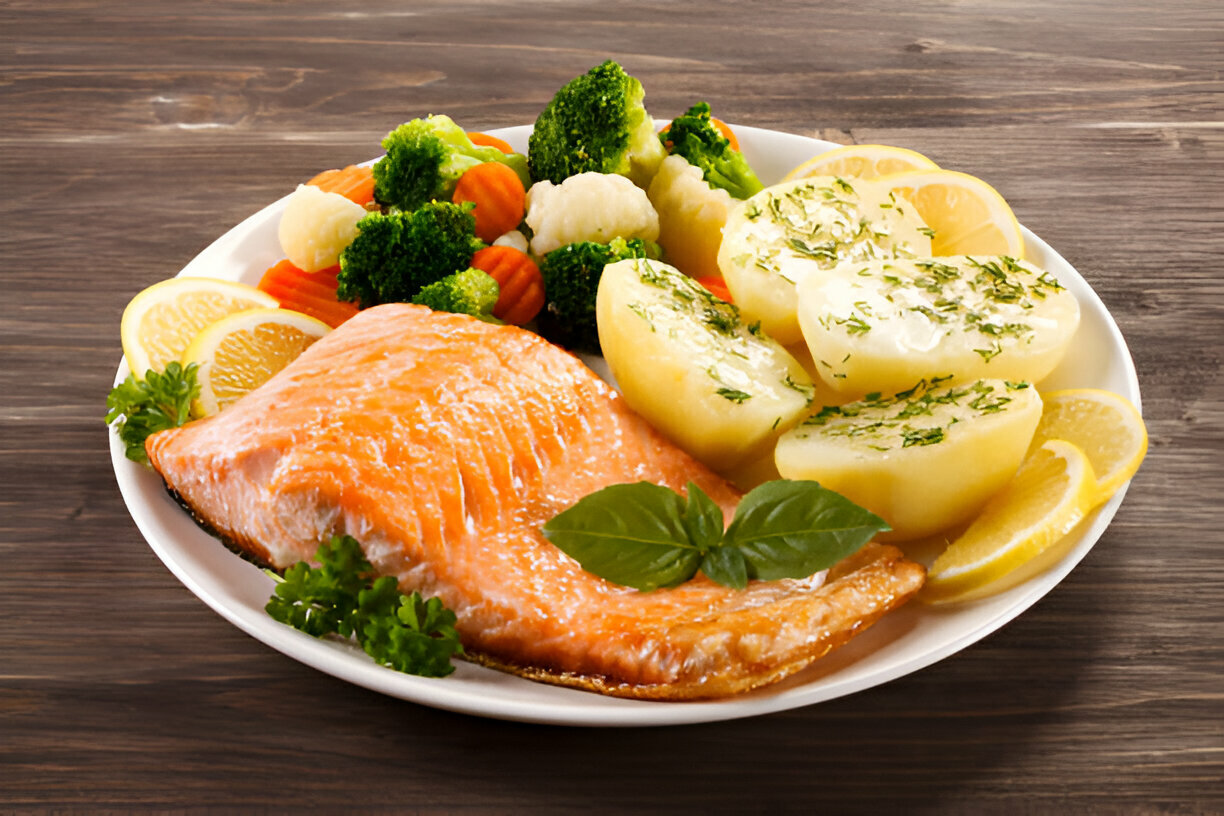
point(646, 536)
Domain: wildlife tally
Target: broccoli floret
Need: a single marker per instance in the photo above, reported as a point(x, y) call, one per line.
point(695, 137)
point(472, 292)
point(397, 254)
point(426, 157)
point(571, 281)
point(596, 123)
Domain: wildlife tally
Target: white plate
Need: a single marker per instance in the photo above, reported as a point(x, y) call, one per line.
point(907, 640)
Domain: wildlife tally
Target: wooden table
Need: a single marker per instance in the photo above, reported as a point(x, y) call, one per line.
point(135, 133)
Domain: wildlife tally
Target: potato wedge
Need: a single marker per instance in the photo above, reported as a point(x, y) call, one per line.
point(884, 325)
point(689, 364)
point(792, 230)
point(925, 459)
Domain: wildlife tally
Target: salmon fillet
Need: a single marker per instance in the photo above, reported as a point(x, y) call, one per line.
point(443, 444)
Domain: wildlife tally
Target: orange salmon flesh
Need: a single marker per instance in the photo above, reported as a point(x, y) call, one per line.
point(443, 444)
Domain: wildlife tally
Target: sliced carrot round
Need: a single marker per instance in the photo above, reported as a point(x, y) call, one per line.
point(485, 140)
point(355, 182)
point(311, 293)
point(522, 285)
point(717, 287)
point(499, 196)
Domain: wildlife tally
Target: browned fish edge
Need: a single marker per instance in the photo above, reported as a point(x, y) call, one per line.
point(883, 565)
point(885, 560)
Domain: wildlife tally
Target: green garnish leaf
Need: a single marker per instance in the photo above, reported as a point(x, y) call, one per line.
point(734, 395)
point(630, 534)
point(793, 529)
point(703, 519)
point(343, 596)
point(160, 401)
point(727, 566)
point(647, 536)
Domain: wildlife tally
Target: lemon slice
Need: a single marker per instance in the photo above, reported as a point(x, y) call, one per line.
point(239, 353)
point(862, 161)
point(1051, 493)
point(160, 322)
point(1104, 425)
point(968, 216)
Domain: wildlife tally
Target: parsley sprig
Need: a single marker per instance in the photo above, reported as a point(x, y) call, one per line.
point(646, 536)
point(160, 401)
point(342, 596)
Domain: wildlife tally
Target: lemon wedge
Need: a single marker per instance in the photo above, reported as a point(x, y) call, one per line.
point(1054, 489)
point(968, 216)
point(1104, 425)
point(241, 352)
point(862, 161)
point(161, 321)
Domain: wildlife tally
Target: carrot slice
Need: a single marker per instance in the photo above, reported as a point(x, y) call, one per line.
point(716, 286)
point(499, 197)
point(486, 140)
point(355, 182)
point(522, 285)
point(311, 293)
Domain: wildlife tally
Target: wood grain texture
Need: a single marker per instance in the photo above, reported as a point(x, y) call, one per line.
point(135, 133)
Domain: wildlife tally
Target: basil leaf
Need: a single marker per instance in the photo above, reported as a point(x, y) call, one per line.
point(727, 566)
point(793, 529)
point(703, 519)
point(630, 534)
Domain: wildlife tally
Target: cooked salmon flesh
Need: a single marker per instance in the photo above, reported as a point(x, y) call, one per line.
point(443, 444)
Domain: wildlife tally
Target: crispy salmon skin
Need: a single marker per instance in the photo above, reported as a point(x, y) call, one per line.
point(443, 444)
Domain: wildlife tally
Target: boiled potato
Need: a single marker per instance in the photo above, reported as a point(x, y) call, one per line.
point(792, 230)
point(685, 361)
point(691, 216)
point(925, 459)
point(884, 325)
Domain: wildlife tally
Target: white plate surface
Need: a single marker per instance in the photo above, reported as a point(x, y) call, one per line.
point(910, 639)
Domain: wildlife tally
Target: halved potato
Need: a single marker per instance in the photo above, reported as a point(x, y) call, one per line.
point(925, 459)
point(792, 230)
point(689, 364)
point(884, 325)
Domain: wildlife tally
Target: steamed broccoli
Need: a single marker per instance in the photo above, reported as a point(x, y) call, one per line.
point(426, 157)
point(596, 123)
point(571, 281)
point(395, 255)
point(695, 137)
point(472, 292)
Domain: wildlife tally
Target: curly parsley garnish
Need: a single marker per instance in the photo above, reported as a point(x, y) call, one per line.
point(343, 597)
point(156, 403)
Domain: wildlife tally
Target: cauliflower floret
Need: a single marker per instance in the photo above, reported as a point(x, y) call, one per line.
point(316, 227)
point(514, 239)
point(588, 207)
point(691, 216)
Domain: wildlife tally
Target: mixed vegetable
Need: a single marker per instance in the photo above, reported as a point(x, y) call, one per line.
point(443, 201)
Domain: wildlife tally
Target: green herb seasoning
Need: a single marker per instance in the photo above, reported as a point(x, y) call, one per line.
point(712, 330)
point(990, 299)
point(918, 416)
point(828, 221)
